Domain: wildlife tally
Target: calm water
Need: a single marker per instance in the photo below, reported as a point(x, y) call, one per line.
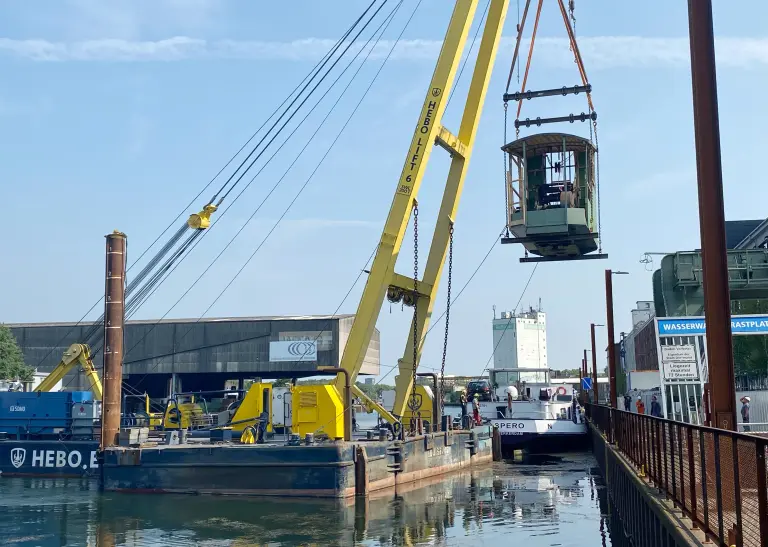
point(561, 502)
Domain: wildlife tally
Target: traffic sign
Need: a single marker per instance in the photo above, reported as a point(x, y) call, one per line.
point(586, 383)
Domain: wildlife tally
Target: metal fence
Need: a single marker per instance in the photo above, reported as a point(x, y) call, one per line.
point(715, 477)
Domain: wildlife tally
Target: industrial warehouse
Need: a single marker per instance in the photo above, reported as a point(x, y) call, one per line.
point(174, 355)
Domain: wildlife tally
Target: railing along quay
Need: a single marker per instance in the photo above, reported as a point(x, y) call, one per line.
point(717, 478)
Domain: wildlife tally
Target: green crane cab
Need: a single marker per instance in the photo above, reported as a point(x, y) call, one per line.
point(552, 197)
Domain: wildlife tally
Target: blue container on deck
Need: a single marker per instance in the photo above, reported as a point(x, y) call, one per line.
point(38, 414)
point(81, 396)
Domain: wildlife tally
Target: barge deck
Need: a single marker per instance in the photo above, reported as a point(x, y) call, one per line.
point(336, 469)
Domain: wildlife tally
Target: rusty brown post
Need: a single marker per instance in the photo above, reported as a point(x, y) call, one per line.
point(611, 348)
point(714, 257)
point(114, 316)
point(594, 363)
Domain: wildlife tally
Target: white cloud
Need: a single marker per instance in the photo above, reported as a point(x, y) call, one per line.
point(171, 49)
point(599, 52)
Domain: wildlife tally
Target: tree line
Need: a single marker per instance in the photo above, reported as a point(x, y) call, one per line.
point(12, 366)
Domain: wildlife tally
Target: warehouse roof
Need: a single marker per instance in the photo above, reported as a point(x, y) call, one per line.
point(193, 320)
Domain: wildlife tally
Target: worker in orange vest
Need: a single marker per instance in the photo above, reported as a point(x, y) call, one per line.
point(640, 406)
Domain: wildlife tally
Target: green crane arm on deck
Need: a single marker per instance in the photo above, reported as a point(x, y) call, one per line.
point(429, 130)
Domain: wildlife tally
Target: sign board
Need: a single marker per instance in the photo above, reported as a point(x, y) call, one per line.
point(679, 362)
point(692, 326)
point(586, 383)
point(73, 459)
point(538, 427)
point(324, 338)
point(283, 351)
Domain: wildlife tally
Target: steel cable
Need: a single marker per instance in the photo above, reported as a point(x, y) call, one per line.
point(349, 45)
point(260, 170)
point(157, 282)
point(165, 249)
point(385, 25)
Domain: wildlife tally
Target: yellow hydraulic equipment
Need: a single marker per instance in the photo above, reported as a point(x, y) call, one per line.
point(74, 355)
point(185, 412)
point(423, 407)
point(257, 399)
point(382, 279)
point(202, 220)
point(318, 409)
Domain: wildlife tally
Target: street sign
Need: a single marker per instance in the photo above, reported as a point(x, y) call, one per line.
point(586, 383)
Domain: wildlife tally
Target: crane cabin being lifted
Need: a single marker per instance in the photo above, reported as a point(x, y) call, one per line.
point(552, 201)
point(552, 178)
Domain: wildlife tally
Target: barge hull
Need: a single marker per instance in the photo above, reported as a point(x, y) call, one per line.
point(550, 436)
point(331, 470)
point(27, 458)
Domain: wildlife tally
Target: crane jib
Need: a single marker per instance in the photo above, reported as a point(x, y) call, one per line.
point(421, 142)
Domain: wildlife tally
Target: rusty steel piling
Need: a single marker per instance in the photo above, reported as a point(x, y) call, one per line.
point(114, 318)
point(714, 257)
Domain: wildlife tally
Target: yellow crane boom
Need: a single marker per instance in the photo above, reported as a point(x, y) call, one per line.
point(74, 355)
point(429, 130)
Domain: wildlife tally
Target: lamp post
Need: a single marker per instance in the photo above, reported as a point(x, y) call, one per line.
point(611, 350)
point(594, 358)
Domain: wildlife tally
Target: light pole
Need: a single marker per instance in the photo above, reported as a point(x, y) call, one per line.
point(594, 358)
point(611, 350)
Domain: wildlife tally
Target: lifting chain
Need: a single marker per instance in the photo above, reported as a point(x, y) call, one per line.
point(447, 319)
point(414, 402)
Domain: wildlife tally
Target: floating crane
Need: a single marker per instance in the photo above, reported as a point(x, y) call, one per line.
point(551, 209)
point(568, 231)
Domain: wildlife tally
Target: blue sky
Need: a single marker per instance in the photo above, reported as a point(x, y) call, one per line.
point(114, 114)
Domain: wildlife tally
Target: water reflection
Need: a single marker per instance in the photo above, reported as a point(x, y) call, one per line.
point(562, 502)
